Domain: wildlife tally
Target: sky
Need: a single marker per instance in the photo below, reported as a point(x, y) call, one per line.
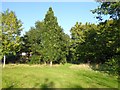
point(67, 13)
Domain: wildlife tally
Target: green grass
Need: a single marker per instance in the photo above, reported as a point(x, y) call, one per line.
point(61, 76)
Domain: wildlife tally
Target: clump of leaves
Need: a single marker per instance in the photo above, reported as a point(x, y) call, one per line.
point(113, 65)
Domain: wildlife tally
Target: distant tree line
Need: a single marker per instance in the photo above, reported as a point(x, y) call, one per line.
point(47, 43)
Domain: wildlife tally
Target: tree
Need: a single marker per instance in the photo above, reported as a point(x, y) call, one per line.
point(47, 41)
point(84, 38)
point(97, 43)
point(11, 28)
point(108, 8)
point(111, 31)
point(0, 37)
point(53, 39)
point(32, 42)
point(77, 38)
point(113, 10)
point(94, 43)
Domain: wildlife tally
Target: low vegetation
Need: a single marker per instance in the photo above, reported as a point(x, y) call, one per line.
point(57, 76)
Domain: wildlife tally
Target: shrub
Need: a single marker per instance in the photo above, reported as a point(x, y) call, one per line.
point(113, 65)
point(34, 59)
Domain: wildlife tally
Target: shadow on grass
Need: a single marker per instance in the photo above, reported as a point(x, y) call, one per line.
point(47, 84)
point(96, 81)
point(101, 68)
point(9, 88)
point(77, 86)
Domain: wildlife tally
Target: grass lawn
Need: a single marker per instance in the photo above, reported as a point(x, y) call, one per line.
point(57, 76)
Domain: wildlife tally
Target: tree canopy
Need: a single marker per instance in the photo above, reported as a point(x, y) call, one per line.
point(11, 28)
point(47, 40)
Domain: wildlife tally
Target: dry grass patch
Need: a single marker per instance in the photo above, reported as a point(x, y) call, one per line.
point(28, 65)
point(80, 66)
point(22, 65)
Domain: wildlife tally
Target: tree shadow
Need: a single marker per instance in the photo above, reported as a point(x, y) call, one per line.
point(77, 86)
point(9, 87)
point(99, 67)
point(46, 84)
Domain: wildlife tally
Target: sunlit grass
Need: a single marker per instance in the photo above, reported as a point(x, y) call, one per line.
point(57, 76)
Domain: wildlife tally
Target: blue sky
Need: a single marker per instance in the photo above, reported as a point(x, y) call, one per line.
point(67, 13)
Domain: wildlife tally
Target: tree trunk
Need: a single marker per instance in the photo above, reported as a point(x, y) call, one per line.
point(4, 61)
point(45, 62)
point(50, 63)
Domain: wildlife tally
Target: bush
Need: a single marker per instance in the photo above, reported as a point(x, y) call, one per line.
point(34, 59)
point(113, 65)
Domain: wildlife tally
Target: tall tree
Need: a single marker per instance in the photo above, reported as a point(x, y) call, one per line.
point(110, 30)
point(113, 10)
point(32, 42)
point(53, 37)
point(83, 40)
point(47, 40)
point(98, 43)
point(11, 28)
point(77, 37)
point(0, 37)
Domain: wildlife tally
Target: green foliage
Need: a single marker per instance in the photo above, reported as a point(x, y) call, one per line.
point(95, 43)
point(1, 37)
point(83, 40)
point(113, 65)
point(47, 40)
point(105, 8)
point(11, 28)
point(110, 32)
point(53, 38)
point(34, 59)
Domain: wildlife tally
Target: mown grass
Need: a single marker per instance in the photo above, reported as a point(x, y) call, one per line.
point(58, 76)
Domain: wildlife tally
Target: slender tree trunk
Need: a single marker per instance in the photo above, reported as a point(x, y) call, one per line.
point(4, 61)
point(50, 63)
point(45, 62)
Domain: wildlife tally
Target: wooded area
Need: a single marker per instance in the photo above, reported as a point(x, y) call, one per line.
point(46, 43)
